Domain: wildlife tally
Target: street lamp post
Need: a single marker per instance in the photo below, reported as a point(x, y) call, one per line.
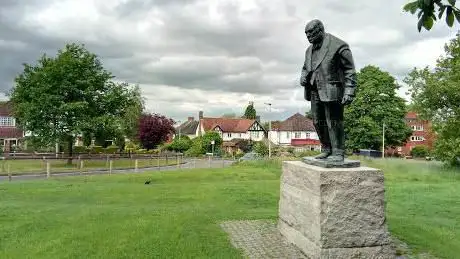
point(179, 128)
point(269, 131)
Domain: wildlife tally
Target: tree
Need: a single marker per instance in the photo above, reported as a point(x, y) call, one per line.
point(436, 95)
point(181, 144)
point(250, 112)
point(375, 104)
point(133, 112)
point(210, 136)
point(427, 10)
point(154, 129)
point(62, 96)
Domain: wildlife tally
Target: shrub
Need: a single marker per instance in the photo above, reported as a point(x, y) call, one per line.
point(80, 149)
point(261, 148)
point(419, 151)
point(180, 145)
point(111, 149)
point(197, 148)
point(96, 149)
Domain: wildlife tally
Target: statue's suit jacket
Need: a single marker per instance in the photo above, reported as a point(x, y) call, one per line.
point(333, 71)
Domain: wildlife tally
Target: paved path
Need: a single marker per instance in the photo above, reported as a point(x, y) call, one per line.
point(188, 164)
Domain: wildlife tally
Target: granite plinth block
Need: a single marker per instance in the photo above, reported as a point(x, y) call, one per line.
point(334, 212)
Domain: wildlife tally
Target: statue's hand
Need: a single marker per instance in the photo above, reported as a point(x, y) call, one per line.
point(347, 99)
point(303, 81)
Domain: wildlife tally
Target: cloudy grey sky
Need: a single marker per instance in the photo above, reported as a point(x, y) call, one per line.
point(213, 55)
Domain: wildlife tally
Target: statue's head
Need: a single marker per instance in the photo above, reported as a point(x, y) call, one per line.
point(314, 31)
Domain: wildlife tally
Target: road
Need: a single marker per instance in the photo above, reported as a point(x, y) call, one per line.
point(187, 164)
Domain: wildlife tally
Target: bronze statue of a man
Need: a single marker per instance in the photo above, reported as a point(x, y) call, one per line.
point(329, 78)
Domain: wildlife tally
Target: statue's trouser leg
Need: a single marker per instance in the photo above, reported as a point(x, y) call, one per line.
point(319, 121)
point(334, 118)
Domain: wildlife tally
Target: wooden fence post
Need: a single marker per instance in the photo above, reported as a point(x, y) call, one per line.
point(136, 165)
point(209, 160)
point(10, 176)
point(110, 166)
point(158, 162)
point(81, 166)
point(48, 169)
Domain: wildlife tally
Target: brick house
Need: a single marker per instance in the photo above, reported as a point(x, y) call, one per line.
point(421, 135)
point(10, 135)
point(296, 131)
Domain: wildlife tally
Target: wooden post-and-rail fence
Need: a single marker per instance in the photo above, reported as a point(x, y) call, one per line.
point(25, 165)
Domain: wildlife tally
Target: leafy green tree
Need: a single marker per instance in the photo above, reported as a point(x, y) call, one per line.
point(196, 148)
point(250, 112)
point(436, 97)
point(210, 136)
point(134, 110)
point(427, 9)
point(375, 104)
point(62, 96)
point(181, 144)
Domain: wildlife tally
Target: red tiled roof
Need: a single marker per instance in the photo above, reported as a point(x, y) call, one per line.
point(296, 122)
point(411, 115)
point(304, 142)
point(227, 124)
point(6, 109)
point(11, 132)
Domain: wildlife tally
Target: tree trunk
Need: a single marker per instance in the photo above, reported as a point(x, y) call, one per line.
point(70, 146)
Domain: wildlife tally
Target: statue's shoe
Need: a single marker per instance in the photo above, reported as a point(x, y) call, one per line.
point(323, 155)
point(335, 158)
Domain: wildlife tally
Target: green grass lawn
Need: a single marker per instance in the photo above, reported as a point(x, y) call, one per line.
point(28, 166)
point(177, 215)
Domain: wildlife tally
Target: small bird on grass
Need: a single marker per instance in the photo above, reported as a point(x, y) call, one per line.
point(147, 182)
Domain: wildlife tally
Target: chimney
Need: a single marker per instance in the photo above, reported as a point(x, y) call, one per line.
point(258, 118)
point(200, 115)
point(189, 119)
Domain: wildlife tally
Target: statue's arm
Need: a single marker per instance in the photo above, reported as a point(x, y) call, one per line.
point(349, 71)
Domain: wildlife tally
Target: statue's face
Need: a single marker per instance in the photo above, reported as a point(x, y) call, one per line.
point(314, 32)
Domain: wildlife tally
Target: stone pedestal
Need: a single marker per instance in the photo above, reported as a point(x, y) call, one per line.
point(334, 212)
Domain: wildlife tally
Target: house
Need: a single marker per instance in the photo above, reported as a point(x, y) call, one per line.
point(421, 134)
point(232, 128)
point(188, 128)
point(10, 135)
point(296, 131)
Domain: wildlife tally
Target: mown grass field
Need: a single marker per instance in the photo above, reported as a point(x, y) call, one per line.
point(177, 215)
point(38, 166)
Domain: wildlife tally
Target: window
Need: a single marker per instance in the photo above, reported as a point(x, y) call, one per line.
point(7, 121)
point(297, 135)
point(417, 127)
point(254, 134)
point(288, 134)
point(307, 134)
point(417, 138)
point(229, 135)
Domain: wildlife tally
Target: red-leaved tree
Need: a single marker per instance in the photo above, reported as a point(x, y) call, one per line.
point(154, 129)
